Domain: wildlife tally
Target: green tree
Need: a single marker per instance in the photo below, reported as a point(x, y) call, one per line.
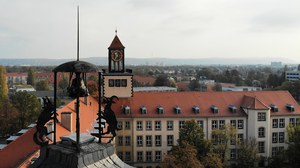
point(248, 154)
point(293, 151)
point(221, 139)
point(31, 77)
point(28, 107)
point(63, 83)
point(193, 134)
point(3, 85)
point(8, 119)
point(194, 85)
point(162, 80)
point(42, 85)
point(182, 156)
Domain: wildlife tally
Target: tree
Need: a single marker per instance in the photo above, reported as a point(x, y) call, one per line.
point(181, 156)
point(194, 85)
point(8, 119)
point(212, 160)
point(221, 139)
point(293, 151)
point(63, 83)
point(248, 154)
point(162, 80)
point(42, 85)
point(3, 85)
point(194, 135)
point(31, 77)
point(28, 107)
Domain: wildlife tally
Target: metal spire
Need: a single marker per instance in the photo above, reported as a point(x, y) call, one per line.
point(78, 33)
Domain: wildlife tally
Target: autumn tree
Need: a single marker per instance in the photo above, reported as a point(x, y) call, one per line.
point(248, 154)
point(3, 85)
point(212, 160)
point(31, 77)
point(182, 156)
point(293, 151)
point(42, 85)
point(8, 119)
point(28, 107)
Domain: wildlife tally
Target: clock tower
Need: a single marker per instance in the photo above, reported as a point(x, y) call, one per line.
point(117, 79)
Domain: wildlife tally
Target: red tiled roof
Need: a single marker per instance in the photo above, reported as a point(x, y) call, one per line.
point(253, 103)
point(186, 100)
point(116, 44)
point(144, 79)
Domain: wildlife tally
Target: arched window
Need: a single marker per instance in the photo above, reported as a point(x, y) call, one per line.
point(261, 132)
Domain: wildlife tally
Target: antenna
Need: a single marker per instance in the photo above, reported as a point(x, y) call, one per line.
point(78, 33)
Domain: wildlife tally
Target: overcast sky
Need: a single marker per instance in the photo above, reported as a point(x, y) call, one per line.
point(151, 28)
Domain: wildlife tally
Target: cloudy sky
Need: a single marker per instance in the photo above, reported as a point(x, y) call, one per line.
point(151, 28)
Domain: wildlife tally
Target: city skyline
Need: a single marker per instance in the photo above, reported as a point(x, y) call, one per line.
point(150, 29)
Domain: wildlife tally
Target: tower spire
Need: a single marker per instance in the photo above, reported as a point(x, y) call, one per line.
point(78, 33)
point(116, 31)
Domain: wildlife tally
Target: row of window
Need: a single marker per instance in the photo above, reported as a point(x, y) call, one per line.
point(278, 137)
point(148, 140)
point(280, 123)
point(220, 124)
point(141, 156)
point(219, 139)
point(117, 82)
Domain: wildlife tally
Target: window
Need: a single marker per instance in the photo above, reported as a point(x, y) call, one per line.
point(157, 140)
point(233, 123)
point(261, 132)
point(143, 110)
point(157, 125)
point(240, 124)
point(127, 125)
point(274, 108)
point(158, 155)
point(170, 140)
point(120, 155)
point(148, 125)
point(127, 140)
point(214, 109)
point(297, 121)
point(214, 124)
point(200, 123)
point(274, 137)
point(149, 156)
point(261, 116)
point(148, 140)
point(261, 147)
point(214, 139)
point(139, 157)
point(196, 109)
point(169, 125)
point(160, 110)
point(139, 125)
point(111, 83)
point(127, 156)
point(232, 108)
point(232, 140)
point(233, 154)
point(120, 140)
point(281, 123)
point(139, 140)
point(126, 110)
point(275, 123)
point(281, 137)
point(177, 110)
point(241, 137)
point(221, 124)
point(292, 121)
point(274, 151)
point(181, 124)
point(117, 83)
point(120, 125)
point(124, 82)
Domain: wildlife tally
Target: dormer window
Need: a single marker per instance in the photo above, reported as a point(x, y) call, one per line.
point(214, 109)
point(143, 110)
point(177, 109)
point(232, 108)
point(196, 109)
point(126, 110)
point(290, 107)
point(274, 108)
point(160, 110)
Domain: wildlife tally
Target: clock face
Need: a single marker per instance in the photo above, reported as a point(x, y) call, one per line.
point(116, 55)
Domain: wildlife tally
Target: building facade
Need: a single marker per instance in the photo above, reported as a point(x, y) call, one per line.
point(150, 121)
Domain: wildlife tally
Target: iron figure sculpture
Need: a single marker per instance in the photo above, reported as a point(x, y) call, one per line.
point(47, 114)
point(110, 117)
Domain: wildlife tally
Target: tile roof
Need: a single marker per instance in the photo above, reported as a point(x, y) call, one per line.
point(116, 44)
point(204, 100)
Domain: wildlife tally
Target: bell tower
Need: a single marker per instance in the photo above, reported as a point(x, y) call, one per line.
point(116, 56)
point(117, 79)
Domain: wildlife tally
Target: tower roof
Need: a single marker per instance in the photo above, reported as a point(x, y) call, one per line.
point(116, 44)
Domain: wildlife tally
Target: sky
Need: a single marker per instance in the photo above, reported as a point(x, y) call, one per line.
point(152, 28)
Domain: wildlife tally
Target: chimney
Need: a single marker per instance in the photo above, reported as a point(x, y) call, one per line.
point(66, 120)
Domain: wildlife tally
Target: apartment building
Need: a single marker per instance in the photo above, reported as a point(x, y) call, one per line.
point(151, 121)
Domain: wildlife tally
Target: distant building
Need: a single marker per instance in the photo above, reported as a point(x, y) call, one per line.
point(292, 75)
point(276, 64)
point(241, 88)
point(155, 89)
